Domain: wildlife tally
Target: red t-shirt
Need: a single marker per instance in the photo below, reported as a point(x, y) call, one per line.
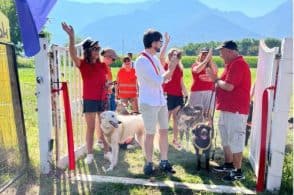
point(198, 84)
point(238, 74)
point(94, 79)
point(174, 87)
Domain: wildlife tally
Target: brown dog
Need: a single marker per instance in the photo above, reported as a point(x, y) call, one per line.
point(188, 117)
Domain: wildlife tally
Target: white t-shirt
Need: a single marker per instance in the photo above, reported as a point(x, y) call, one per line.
point(150, 83)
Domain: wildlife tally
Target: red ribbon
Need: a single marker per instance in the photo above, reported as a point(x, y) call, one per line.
point(69, 130)
point(262, 155)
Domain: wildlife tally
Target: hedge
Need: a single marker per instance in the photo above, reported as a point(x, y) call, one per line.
point(188, 60)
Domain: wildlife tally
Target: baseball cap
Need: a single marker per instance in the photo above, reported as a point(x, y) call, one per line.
point(89, 43)
point(204, 50)
point(228, 45)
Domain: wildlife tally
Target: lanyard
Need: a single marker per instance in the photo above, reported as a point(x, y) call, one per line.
point(154, 66)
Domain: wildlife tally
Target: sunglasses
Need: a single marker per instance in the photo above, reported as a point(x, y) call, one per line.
point(110, 58)
point(95, 48)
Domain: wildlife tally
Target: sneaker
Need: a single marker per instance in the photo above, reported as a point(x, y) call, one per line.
point(224, 168)
point(107, 156)
point(148, 168)
point(177, 145)
point(165, 166)
point(123, 146)
point(233, 176)
point(89, 158)
point(131, 146)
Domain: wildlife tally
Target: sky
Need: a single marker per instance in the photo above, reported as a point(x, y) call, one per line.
point(251, 8)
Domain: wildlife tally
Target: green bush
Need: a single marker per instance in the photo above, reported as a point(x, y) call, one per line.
point(287, 177)
point(25, 62)
point(186, 60)
point(189, 60)
point(117, 63)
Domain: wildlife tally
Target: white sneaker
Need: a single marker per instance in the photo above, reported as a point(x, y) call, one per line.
point(131, 146)
point(107, 156)
point(100, 144)
point(89, 158)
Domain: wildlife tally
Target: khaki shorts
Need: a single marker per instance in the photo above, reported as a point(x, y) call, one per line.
point(232, 130)
point(152, 115)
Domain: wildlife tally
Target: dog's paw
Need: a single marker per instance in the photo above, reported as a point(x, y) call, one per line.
point(108, 156)
point(109, 169)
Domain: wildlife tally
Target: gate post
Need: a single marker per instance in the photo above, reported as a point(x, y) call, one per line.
point(280, 120)
point(43, 94)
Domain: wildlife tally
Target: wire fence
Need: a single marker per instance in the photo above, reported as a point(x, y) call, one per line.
point(13, 147)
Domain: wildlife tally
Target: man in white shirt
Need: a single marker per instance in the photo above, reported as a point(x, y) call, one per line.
point(152, 103)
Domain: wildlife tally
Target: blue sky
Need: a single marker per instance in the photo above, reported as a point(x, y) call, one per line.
point(251, 8)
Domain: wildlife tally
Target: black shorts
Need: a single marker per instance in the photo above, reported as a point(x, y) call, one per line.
point(93, 106)
point(174, 101)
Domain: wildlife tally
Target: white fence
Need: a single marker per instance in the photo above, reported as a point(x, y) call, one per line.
point(276, 70)
point(63, 69)
point(53, 66)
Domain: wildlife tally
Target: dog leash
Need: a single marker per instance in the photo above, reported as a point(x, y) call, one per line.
point(214, 134)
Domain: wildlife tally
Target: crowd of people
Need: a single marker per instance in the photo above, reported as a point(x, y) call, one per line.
point(154, 87)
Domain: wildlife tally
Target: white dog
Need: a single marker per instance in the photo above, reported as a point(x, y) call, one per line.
point(117, 128)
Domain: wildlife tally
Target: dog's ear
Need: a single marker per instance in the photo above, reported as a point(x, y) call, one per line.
point(194, 131)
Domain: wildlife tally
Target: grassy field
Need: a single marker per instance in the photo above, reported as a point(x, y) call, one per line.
point(131, 166)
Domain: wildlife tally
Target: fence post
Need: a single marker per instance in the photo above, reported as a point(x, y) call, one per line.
point(43, 94)
point(280, 120)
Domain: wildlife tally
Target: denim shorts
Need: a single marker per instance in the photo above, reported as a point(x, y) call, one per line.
point(174, 101)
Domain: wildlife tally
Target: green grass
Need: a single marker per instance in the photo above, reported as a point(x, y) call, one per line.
point(131, 166)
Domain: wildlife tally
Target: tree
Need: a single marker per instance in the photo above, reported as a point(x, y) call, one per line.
point(7, 7)
point(272, 42)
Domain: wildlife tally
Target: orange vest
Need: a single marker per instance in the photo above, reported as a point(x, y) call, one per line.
point(126, 83)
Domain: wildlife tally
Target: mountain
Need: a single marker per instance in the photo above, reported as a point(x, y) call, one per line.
point(278, 23)
point(80, 15)
point(121, 26)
